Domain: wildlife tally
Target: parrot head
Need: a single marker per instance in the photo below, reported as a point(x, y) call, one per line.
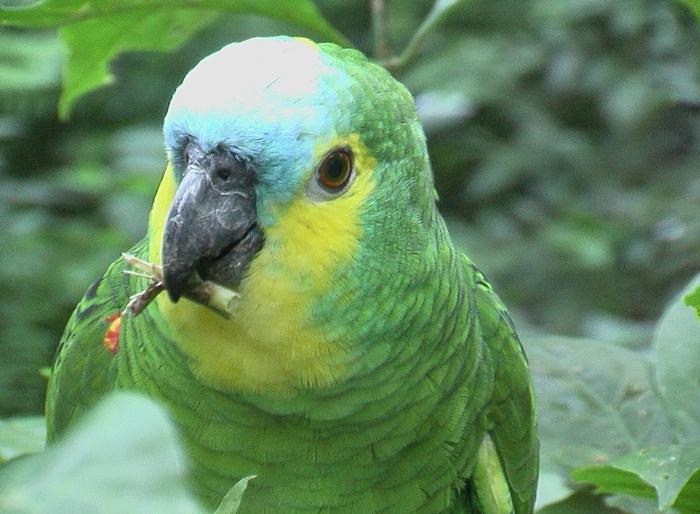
point(298, 175)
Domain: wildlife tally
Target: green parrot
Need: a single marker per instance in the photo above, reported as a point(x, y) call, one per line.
point(367, 365)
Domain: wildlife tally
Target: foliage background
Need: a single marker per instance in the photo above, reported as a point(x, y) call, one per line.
point(564, 136)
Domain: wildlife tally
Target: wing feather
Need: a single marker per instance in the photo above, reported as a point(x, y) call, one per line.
point(84, 370)
point(510, 414)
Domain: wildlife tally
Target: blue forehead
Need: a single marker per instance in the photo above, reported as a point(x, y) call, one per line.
point(271, 100)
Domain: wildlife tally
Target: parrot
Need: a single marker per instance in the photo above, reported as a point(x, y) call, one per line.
point(367, 365)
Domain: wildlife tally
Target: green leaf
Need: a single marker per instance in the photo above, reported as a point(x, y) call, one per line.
point(595, 402)
point(91, 44)
point(51, 13)
point(676, 354)
point(232, 500)
point(124, 457)
point(671, 474)
point(693, 300)
point(19, 436)
point(95, 31)
point(28, 61)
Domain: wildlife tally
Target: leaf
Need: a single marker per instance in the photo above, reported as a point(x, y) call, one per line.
point(676, 354)
point(28, 62)
point(51, 13)
point(21, 435)
point(232, 500)
point(693, 300)
point(693, 5)
point(581, 502)
point(478, 79)
point(91, 44)
point(671, 474)
point(95, 31)
point(124, 457)
point(635, 504)
point(595, 402)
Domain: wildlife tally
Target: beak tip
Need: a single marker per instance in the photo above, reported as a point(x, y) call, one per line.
point(174, 296)
point(175, 282)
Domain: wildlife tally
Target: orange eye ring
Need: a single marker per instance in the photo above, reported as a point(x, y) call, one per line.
point(335, 170)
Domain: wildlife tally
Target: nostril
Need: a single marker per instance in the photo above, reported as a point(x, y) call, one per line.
point(224, 168)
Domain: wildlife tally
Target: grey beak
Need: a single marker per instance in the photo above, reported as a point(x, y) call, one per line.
point(211, 227)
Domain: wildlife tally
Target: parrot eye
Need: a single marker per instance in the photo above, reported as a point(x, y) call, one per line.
point(335, 170)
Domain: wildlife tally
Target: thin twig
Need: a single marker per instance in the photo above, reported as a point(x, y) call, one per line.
point(152, 270)
point(136, 274)
point(381, 47)
point(440, 11)
point(209, 294)
point(140, 301)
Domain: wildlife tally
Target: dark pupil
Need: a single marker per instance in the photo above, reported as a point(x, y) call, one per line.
point(335, 169)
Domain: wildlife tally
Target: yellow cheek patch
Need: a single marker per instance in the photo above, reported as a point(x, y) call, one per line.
point(159, 213)
point(271, 343)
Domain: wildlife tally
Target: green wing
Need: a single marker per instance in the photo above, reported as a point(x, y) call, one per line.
point(83, 370)
point(511, 422)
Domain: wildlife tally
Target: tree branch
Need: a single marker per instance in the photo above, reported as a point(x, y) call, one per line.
point(381, 47)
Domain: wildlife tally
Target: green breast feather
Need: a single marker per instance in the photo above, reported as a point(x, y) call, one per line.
point(365, 365)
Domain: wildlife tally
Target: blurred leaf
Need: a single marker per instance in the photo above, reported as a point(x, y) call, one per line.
point(232, 500)
point(28, 61)
point(94, 32)
point(693, 300)
point(694, 6)
point(676, 354)
point(19, 436)
point(124, 457)
point(671, 474)
point(590, 246)
point(632, 334)
point(437, 109)
point(476, 76)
